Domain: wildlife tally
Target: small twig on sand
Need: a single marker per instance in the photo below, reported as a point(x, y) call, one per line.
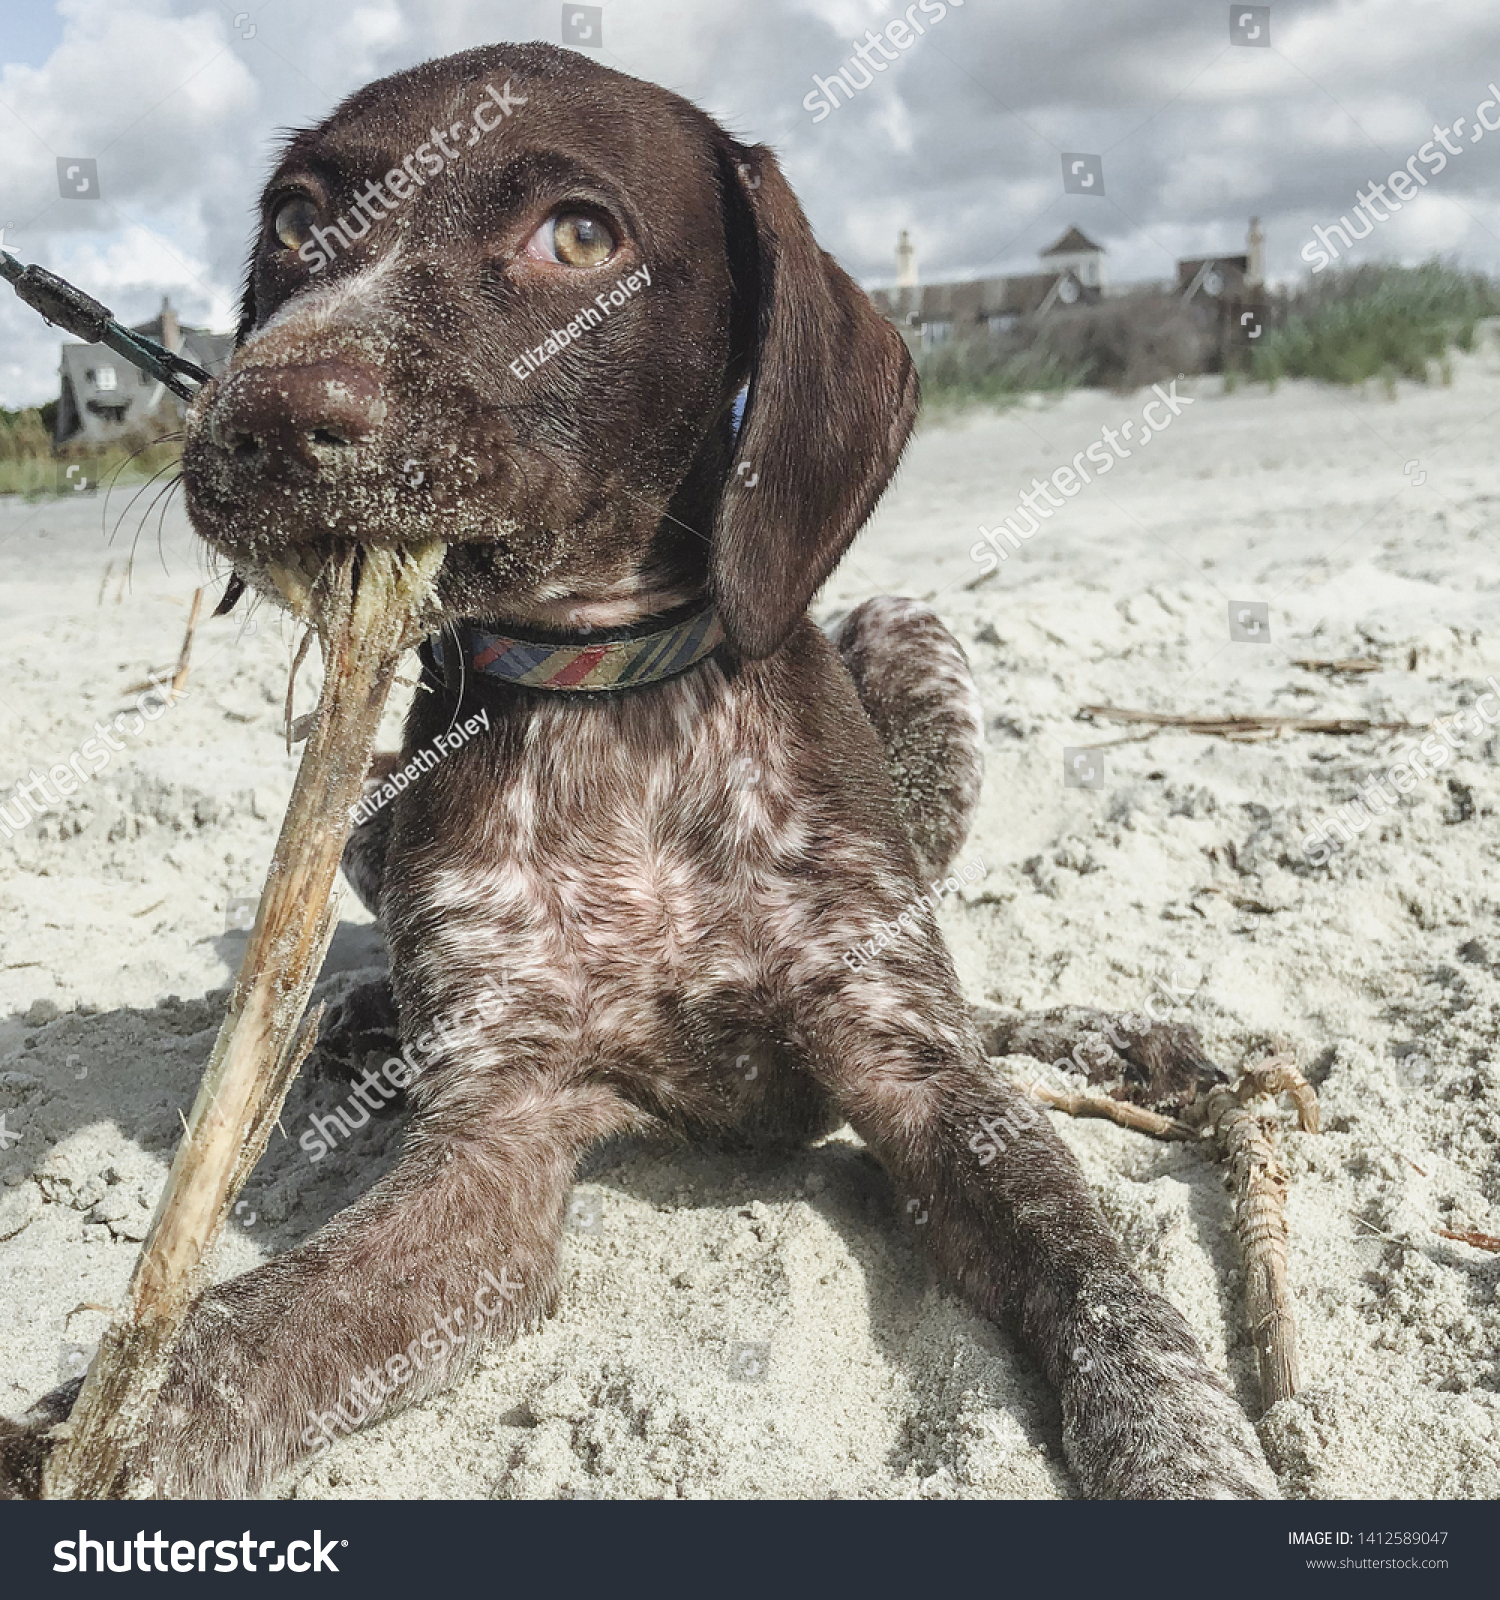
point(1337, 663)
point(1477, 1241)
point(1394, 1238)
point(1260, 1180)
point(1260, 1183)
point(1116, 1111)
point(178, 684)
point(1244, 727)
point(84, 1305)
point(185, 655)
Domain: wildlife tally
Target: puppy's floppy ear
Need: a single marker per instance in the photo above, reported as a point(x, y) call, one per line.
point(833, 395)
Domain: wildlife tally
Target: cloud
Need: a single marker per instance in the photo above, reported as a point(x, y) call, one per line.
point(959, 140)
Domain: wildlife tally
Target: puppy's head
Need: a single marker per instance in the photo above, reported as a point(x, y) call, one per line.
point(508, 300)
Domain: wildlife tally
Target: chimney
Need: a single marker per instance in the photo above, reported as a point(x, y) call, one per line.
point(171, 334)
point(906, 262)
point(1255, 253)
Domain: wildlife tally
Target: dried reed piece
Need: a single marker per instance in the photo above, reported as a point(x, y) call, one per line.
point(184, 656)
point(1260, 1183)
point(1476, 1241)
point(367, 605)
point(1246, 728)
point(1120, 1112)
point(1333, 664)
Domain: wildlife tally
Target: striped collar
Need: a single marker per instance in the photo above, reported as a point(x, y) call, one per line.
point(596, 663)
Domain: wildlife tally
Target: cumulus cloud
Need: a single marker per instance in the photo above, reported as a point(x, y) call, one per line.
point(959, 139)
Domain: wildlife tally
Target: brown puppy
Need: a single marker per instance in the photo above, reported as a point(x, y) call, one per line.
point(671, 849)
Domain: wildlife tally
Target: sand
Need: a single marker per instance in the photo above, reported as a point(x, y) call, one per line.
point(732, 1328)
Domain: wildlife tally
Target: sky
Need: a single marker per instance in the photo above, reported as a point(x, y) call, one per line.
point(1196, 119)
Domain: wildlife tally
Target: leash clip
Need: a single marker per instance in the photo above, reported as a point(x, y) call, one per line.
point(67, 307)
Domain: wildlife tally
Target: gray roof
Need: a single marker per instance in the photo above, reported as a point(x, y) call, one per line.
point(1071, 243)
point(975, 300)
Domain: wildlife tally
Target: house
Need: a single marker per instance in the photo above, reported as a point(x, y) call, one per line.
point(1230, 280)
point(930, 314)
point(1075, 252)
point(104, 397)
point(1073, 274)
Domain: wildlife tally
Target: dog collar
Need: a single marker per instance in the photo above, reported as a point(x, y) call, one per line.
point(593, 663)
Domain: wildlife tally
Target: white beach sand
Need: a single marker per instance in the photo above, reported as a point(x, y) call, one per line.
point(1382, 970)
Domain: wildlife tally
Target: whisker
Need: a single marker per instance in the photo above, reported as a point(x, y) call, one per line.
point(110, 537)
point(458, 656)
point(114, 477)
point(172, 488)
point(141, 527)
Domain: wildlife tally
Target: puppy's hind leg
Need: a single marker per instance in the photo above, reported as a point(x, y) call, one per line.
point(913, 681)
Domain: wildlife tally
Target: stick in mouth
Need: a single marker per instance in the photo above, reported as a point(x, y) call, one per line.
point(367, 605)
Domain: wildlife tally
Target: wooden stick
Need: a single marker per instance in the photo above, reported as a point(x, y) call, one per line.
point(1337, 663)
point(1244, 727)
point(1120, 1112)
point(362, 628)
point(1260, 1183)
point(179, 678)
point(1477, 1241)
point(1260, 1215)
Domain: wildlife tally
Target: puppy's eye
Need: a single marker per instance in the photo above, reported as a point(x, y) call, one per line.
point(294, 220)
point(573, 239)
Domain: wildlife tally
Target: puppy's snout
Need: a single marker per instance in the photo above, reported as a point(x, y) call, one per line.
point(308, 417)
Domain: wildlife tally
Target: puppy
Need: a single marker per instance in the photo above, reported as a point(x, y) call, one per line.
point(562, 321)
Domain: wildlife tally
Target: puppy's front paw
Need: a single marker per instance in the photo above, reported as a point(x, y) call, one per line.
point(1145, 1418)
point(364, 1021)
point(26, 1442)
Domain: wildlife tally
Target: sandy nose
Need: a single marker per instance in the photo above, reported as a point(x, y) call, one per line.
point(310, 416)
